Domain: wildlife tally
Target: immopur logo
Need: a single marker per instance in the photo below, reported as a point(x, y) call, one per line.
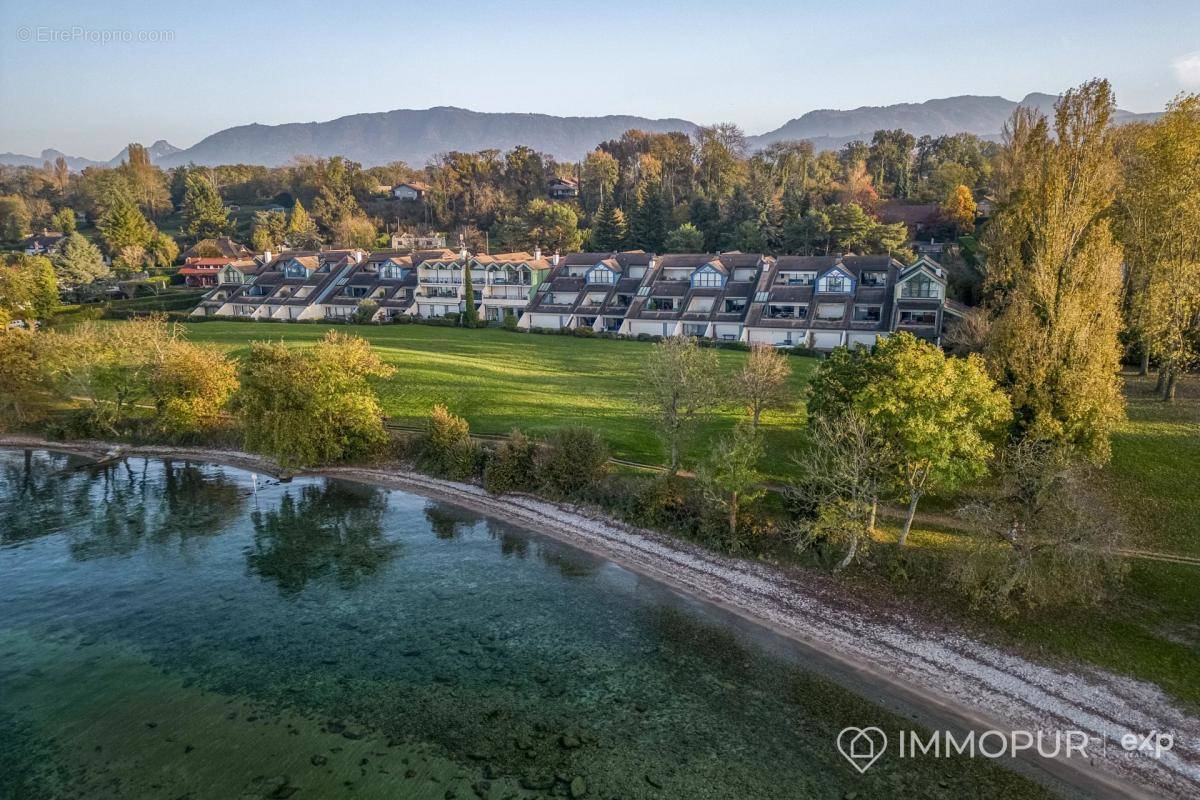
point(862, 747)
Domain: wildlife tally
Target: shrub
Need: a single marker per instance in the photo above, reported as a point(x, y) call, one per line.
point(575, 459)
point(510, 321)
point(365, 312)
point(512, 466)
point(447, 449)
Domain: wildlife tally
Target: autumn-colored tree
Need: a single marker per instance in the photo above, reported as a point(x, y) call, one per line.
point(1158, 222)
point(1054, 272)
point(190, 386)
point(762, 385)
point(958, 209)
point(268, 230)
point(23, 377)
point(15, 218)
point(301, 230)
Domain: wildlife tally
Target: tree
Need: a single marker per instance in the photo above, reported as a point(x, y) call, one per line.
point(446, 448)
point(311, 406)
point(23, 377)
point(841, 471)
point(301, 230)
point(15, 218)
point(161, 250)
point(762, 383)
point(958, 209)
point(1050, 541)
point(849, 226)
point(145, 182)
point(719, 152)
point(122, 225)
point(729, 475)
point(809, 234)
point(1158, 222)
point(79, 262)
point(941, 416)
point(108, 367)
point(191, 387)
point(550, 226)
point(512, 467)
point(204, 214)
point(268, 230)
point(63, 221)
point(1054, 272)
point(679, 382)
point(648, 228)
point(354, 231)
point(130, 259)
point(599, 178)
point(28, 289)
point(684, 239)
point(609, 231)
point(470, 313)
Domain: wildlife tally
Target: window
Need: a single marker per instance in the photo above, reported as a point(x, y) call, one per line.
point(834, 282)
point(707, 278)
point(921, 286)
point(295, 269)
point(830, 312)
point(874, 278)
point(734, 305)
point(788, 311)
point(918, 317)
point(700, 305)
point(867, 313)
point(694, 330)
point(745, 273)
point(391, 272)
point(796, 278)
point(661, 304)
point(601, 275)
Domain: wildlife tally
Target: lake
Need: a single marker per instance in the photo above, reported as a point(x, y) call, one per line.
point(181, 630)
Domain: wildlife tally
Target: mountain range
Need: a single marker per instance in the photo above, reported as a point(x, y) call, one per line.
point(414, 136)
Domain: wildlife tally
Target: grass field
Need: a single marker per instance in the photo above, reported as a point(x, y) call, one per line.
point(498, 380)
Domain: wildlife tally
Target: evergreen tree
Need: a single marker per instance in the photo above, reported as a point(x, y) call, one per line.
point(123, 225)
point(649, 225)
point(470, 314)
point(609, 232)
point(203, 210)
point(301, 230)
point(78, 262)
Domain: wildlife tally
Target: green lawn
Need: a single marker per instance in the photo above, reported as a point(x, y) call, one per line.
point(498, 380)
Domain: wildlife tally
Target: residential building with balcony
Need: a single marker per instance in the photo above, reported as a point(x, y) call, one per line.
point(696, 294)
point(592, 290)
point(825, 302)
point(500, 283)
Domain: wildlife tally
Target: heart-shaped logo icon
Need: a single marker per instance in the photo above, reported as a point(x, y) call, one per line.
point(862, 747)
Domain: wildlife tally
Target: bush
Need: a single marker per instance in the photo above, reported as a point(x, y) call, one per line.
point(584, 332)
point(365, 312)
point(512, 466)
point(446, 449)
point(575, 459)
point(510, 321)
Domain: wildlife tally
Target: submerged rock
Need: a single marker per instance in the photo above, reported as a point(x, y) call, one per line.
point(578, 787)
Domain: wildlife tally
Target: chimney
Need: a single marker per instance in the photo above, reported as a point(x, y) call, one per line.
point(267, 256)
point(358, 256)
point(554, 259)
point(462, 255)
point(537, 253)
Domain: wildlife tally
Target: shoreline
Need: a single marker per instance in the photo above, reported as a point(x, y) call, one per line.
point(959, 681)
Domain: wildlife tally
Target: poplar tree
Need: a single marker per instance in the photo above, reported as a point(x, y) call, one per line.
point(301, 230)
point(1054, 273)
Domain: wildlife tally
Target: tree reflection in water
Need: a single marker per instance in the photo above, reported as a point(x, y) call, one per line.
point(331, 529)
point(449, 522)
point(112, 509)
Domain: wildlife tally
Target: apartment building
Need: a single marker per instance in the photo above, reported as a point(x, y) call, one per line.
point(821, 302)
point(697, 294)
point(592, 290)
point(825, 302)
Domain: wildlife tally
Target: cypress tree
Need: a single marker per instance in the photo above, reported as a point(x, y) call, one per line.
point(470, 315)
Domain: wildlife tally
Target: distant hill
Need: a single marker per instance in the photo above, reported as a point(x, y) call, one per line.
point(158, 151)
point(982, 116)
point(414, 136)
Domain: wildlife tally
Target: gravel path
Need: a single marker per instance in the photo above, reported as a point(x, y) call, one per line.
point(929, 662)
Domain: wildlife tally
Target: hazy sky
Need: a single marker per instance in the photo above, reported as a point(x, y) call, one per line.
point(754, 62)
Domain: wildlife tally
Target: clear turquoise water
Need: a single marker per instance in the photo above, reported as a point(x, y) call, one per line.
point(179, 630)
